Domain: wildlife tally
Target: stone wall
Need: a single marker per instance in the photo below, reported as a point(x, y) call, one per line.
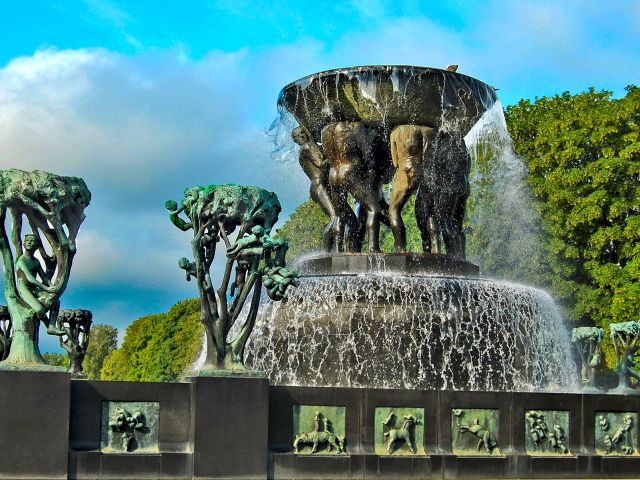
point(54, 427)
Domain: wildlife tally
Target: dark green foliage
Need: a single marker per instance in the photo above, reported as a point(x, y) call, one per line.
point(583, 153)
point(56, 359)
point(303, 230)
point(103, 340)
point(158, 348)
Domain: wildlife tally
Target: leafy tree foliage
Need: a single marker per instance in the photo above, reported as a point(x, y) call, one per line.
point(583, 153)
point(158, 348)
point(56, 359)
point(103, 340)
point(303, 230)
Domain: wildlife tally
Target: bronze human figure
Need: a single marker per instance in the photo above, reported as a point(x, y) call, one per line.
point(412, 151)
point(442, 195)
point(316, 168)
point(349, 147)
point(34, 286)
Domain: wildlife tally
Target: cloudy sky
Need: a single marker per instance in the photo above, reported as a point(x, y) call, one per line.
point(143, 100)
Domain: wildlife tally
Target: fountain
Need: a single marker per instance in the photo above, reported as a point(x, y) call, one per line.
point(400, 320)
point(421, 360)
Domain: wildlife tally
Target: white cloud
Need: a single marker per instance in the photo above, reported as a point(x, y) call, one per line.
point(141, 128)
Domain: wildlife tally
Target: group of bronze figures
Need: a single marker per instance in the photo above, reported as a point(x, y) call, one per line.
point(356, 159)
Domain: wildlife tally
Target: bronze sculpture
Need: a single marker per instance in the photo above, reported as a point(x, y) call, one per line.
point(76, 325)
point(53, 207)
point(213, 213)
point(372, 122)
point(322, 434)
point(350, 147)
point(316, 168)
point(405, 433)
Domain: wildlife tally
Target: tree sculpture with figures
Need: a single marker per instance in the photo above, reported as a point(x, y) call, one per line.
point(53, 207)
point(213, 213)
point(77, 327)
point(626, 341)
point(588, 342)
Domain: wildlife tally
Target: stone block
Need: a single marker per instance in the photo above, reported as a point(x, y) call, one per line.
point(34, 424)
point(230, 419)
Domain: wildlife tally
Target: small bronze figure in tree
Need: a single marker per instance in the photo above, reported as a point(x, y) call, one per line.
point(53, 207)
point(76, 325)
point(214, 212)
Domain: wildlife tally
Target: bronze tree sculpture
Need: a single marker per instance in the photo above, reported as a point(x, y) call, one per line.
point(213, 213)
point(53, 207)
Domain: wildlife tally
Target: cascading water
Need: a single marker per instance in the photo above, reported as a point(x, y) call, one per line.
point(427, 324)
point(422, 332)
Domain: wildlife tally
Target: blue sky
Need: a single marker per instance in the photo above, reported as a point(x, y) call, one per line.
point(143, 99)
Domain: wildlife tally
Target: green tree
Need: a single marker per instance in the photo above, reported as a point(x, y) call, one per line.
point(104, 339)
point(158, 347)
point(56, 359)
point(303, 230)
point(583, 154)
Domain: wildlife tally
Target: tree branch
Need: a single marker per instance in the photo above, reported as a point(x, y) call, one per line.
point(242, 297)
point(240, 341)
point(10, 290)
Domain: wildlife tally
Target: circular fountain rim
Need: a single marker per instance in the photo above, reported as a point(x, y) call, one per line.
point(408, 263)
point(362, 68)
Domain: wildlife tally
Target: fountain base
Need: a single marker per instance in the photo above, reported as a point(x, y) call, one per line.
point(358, 321)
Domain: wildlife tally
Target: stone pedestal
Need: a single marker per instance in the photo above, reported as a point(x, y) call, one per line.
point(230, 425)
point(34, 424)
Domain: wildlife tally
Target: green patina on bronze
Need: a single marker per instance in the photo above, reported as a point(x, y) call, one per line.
point(129, 427)
point(547, 432)
point(626, 341)
point(588, 342)
point(53, 207)
point(474, 431)
point(212, 214)
point(319, 429)
point(399, 431)
point(77, 327)
point(616, 433)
